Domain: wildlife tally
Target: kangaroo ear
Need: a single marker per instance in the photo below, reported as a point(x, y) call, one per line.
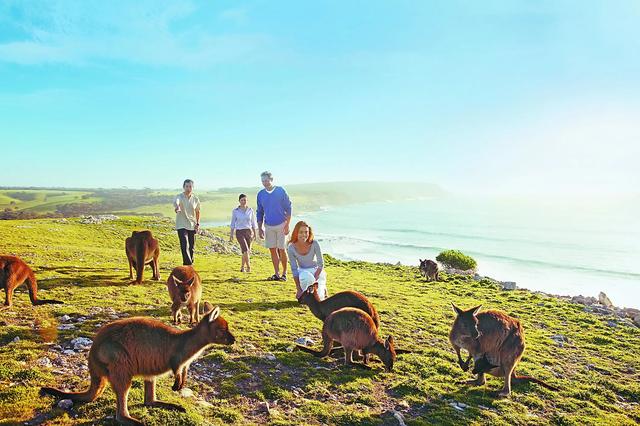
point(214, 314)
point(421, 261)
point(175, 280)
point(191, 281)
point(457, 310)
point(389, 342)
point(475, 310)
point(208, 307)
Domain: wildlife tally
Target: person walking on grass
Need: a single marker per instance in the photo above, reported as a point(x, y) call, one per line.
point(243, 222)
point(187, 208)
point(307, 264)
point(274, 209)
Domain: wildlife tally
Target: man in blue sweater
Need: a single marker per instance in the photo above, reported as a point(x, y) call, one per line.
point(274, 208)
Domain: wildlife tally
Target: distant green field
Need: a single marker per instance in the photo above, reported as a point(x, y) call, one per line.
point(216, 205)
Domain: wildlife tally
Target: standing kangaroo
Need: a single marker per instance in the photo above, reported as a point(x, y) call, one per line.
point(185, 291)
point(321, 309)
point(495, 341)
point(142, 249)
point(429, 269)
point(149, 348)
point(356, 330)
point(13, 273)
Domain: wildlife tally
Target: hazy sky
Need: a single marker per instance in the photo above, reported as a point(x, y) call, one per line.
point(510, 96)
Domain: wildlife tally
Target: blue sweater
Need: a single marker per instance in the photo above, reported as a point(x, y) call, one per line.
point(274, 207)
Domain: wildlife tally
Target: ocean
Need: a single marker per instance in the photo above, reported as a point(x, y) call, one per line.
point(559, 246)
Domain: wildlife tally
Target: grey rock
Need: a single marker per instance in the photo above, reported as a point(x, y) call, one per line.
point(305, 341)
point(16, 339)
point(186, 393)
point(270, 356)
point(65, 404)
point(65, 318)
point(44, 362)
point(508, 285)
point(81, 343)
point(66, 327)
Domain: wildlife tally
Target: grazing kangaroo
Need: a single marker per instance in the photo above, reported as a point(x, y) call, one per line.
point(185, 291)
point(145, 347)
point(321, 309)
point(356, 330)
point(142, 249)
point(13, 273)
point(429, 269)
point(494, 336)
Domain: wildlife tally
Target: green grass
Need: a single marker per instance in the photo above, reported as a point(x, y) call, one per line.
point(84, 265)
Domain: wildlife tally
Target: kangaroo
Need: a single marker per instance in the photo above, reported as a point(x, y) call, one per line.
point(13, 273)
point(142, 249)
point(482, 365)
point(185, 291)
point(494, 336)
point(356, 330)
point(321, 309)
point(429, 269)
point(145, 347)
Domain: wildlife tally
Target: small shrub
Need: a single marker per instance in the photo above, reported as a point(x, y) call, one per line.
point(456, 259)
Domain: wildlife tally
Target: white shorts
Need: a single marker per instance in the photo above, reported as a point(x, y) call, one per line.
point(307, 279)
point(274, 236)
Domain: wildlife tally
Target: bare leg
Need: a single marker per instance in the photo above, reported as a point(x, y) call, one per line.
point(175, 311)
point(506, 389)
point(121, 386)
point(150, 397)
point(283, 260)
point(275, 260)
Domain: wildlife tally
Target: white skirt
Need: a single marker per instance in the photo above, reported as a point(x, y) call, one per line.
point(307, 278)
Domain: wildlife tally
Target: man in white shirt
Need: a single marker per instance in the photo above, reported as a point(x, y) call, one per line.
point(187, 208)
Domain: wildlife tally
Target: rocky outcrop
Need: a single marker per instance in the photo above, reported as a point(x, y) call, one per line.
point(97, 219)
point(215, 244)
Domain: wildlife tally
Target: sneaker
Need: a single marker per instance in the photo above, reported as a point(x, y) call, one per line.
point(274, 277)
point(283, 277)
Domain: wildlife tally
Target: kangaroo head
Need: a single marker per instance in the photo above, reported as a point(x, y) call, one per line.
point(310, 294)
point(215, 326)
point(483, 365)
point(184, 287)
point(389, 355)
point(466, 323)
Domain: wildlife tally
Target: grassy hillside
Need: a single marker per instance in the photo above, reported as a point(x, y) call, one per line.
point(216, 205)
point(597, 367)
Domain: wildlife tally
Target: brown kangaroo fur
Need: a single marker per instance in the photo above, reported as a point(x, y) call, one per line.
point(13, 273)
point(142, 249)
point(494, 336)
point(185, 289)
point(429, 269)
point(356, 330)
point(321, 309)
point(145, 347)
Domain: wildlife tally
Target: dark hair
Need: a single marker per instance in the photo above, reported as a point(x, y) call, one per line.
point(186, 181)
point(241, 197)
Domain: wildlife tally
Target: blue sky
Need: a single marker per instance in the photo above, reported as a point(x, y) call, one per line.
point(491, 97)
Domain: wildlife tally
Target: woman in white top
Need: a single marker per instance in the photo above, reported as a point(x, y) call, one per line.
point(243, 222)
point(305, 258)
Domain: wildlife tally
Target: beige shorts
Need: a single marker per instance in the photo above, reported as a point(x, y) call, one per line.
point(274, 236)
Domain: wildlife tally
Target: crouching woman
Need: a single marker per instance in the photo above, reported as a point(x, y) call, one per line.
point(305, 258)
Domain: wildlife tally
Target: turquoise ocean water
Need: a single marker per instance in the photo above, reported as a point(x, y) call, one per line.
point(559, 246)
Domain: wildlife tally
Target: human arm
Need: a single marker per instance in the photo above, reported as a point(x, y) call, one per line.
point(319, 258)
point(197, 227)
point(286, 205)
point(233, 225)
point(176, 204)
point(260, 216)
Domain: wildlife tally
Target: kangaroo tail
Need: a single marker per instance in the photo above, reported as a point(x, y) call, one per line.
point(140, 249)
point(534, 380)
point(32, 285)
point(328, 345)
point(95, 390)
